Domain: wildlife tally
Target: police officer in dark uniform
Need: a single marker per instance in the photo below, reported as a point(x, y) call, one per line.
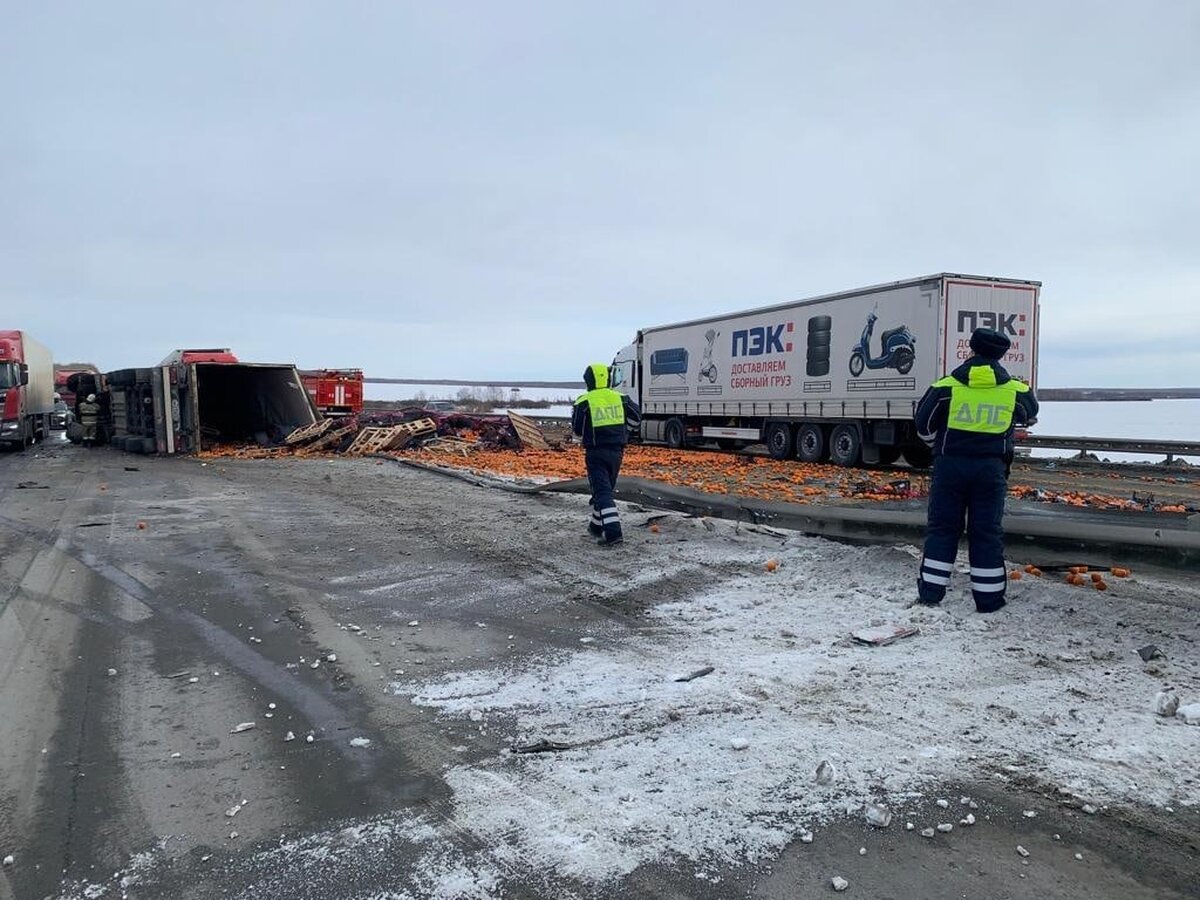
point(968, 419)
point(602, 418)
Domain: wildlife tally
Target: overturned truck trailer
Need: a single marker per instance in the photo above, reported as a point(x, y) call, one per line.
point(197, 399)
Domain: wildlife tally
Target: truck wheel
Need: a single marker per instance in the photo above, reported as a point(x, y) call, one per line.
point(674, 434)
point(779, 440)
point(888, 454)
point(918, 455)
point(811, 446)
point(857, 364)
point(845, 446)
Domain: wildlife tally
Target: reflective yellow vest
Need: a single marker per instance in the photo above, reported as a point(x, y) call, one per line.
point(606, 407)
point(981, 405)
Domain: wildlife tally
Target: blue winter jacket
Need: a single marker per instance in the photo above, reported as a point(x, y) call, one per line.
point(933, 410)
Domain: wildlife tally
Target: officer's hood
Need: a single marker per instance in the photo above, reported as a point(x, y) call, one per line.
point(980, 372)
point(596, 376)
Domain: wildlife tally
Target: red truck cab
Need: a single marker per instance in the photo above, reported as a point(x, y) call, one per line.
point(335, 392)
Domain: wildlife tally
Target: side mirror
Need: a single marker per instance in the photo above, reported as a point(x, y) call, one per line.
point(24, 374)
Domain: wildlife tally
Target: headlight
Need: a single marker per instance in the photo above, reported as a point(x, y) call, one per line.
point(9, 426)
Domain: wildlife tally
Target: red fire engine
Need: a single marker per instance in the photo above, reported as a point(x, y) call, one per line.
point(335, 392)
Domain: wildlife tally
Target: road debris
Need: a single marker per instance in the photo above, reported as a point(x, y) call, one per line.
point(1089, 809)
point(882, 635)
point(360, 742)
point(968, 820)
point(806, 837)
point(235, 809)
point(9, 860)
point(1190, 714)
point(927, 832)
point(945, 827)
point(699, 673)
point(739, 743)
point(112, 672)
point(541, 746)
point(1029, 813)
point(839, 883)
point(826, 772)
point(1021, 851)
point(183, 674)
point(290, 736)
point(309, 739)
point(1149, 652)
point(244, 726)
point(944, 804)
point(878, 815)
point(1166, 703)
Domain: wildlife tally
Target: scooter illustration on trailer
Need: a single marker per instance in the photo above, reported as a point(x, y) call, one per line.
point(898, 349)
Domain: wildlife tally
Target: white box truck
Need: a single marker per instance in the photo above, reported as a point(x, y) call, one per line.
point(835, 377)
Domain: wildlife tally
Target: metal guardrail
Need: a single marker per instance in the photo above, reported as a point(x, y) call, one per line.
point(1169, 449)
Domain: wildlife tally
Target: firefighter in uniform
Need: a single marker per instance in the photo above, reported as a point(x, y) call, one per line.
point(602, 418)
point(89, 417)
point(968, 419)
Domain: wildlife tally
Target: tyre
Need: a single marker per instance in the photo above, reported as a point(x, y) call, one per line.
point(817, 368)
point(811, 446)
point(888, 455)
point(918, 455)
point(857, 364)
point(121, 378)
point(818, 339)
point(904, 361)
point(820, 323)
point(780, 440)
point(845, 446)
point(674, 434)
point(148, 446)
point(818, 354)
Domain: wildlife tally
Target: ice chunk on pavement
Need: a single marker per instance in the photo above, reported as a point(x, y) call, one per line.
point(944, 804)
point(1166, 703)
point(946, 827)
point(839, 883)
point(8, 860)
point(309, 739)
point(927, 832)
point(360, 742)
point(826, 773)
point(1022, 851)
point(1030, 814)
point(290, 736)
point(112, 672)
point(878, 815)
point(806, 837)
point(235, 809)
point(969, 820)
point(1190, 714)
point(739, 743)
point(332, 657)
point(244, 726)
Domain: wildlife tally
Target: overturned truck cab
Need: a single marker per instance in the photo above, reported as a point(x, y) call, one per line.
point(195, 400)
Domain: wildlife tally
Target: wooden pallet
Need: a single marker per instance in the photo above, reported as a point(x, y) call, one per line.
point(449, 445)
point(410, 431)
point(330, 438)
point(309, 432)
point(531, 436)
point(370, 440)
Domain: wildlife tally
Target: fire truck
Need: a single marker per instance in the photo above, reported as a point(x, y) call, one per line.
point(335, 392)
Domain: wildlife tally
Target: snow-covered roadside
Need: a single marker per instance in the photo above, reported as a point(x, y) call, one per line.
point(720, 770)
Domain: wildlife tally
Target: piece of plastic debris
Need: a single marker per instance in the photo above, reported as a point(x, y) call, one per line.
point(244, 726)
point(839, 883)
point(1149, 652)
point(946, 827)
point(878, 815)
point(1022, 851)
point(699, 673)
point(927, 832)
point(739, 743)
point(826, 772)
point(360, 742)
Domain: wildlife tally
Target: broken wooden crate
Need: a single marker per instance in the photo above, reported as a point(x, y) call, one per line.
point(531, 436)
point(330, 438)
point(306, 433)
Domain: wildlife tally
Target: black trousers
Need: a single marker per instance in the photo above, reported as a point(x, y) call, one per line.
point(603, 466)
point(966, 492)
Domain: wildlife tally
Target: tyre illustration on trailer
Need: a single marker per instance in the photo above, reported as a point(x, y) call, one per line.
point(817, 363)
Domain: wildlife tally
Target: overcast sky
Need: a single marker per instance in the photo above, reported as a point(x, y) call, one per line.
point(511, 189)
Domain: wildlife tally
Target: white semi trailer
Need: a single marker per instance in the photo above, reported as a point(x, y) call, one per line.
point(835, 377)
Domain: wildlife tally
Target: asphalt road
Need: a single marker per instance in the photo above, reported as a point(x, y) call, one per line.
point(150, 606)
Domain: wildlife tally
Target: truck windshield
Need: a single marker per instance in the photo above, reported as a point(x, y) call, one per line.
point(10, 375)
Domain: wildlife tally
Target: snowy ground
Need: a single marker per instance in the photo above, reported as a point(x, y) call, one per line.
point(720, 770)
